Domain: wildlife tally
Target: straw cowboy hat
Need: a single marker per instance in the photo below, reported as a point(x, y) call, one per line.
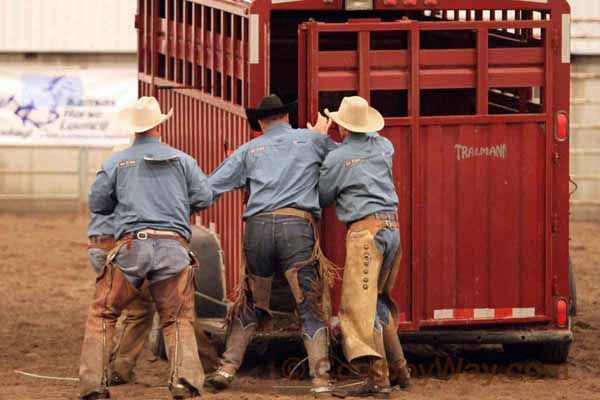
point(142, 115)
point(356, 116)
point(269, 106)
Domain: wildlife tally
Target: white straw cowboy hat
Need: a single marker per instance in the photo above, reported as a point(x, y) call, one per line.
point(142, 115)
point(356, 116)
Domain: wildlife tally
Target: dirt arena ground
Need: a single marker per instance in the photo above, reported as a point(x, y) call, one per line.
point(45, 288)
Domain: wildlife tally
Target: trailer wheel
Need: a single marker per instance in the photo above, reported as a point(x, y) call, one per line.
point(210, 279)
point(573, 288)
point(210, 284)
point(555, 353)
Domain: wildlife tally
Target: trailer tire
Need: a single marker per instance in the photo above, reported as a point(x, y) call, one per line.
point(210, 283)
point(209, 279)
point(555, 352)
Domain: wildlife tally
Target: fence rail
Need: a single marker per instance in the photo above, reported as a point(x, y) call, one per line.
point(56, 173)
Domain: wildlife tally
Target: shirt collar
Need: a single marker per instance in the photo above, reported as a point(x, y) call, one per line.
point(146, 139)
point(359, 137)
point(278, 128)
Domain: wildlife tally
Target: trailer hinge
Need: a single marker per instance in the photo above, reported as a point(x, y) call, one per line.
point(138, 21)
point(555, 223)
point(555, 157)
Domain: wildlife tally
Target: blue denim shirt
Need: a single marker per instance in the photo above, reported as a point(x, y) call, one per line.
point(280, 169)
point(101, 225)
point(358, 174)
point(150, 186)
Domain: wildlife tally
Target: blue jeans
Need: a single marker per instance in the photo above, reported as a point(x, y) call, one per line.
point(277, 243)
point(97, 259)
point(152, 259)
point(388, 242)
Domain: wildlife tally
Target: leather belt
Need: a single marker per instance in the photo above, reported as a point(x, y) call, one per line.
point(290, 212)
point(106, 242)
point(102, 239)
point(385, 216)
point(155, 234)
point(384, 219)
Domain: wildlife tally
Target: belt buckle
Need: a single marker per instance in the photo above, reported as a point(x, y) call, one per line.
point(141, 235)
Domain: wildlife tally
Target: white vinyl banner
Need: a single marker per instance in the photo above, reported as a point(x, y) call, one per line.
point(48, 105)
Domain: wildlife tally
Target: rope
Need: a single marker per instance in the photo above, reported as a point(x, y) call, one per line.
point(52, 378)
point(212, 299)
point(308, 387)
point(222, 303)
point(297, 366)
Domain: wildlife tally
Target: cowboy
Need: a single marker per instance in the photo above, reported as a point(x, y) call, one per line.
point(151, 189)
point(280, 169)
point(137, 322)
point(358, 176)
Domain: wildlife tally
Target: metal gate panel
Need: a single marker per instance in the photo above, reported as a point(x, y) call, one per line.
point(475, 228)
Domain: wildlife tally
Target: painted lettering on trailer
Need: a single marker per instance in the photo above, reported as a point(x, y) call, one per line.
point(466, 152)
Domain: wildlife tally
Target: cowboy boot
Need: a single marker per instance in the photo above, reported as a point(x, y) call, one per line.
point(317, 350)
point(235, 349)
point(399, 373)
point(378, 380)
point(136, 328)
point(113, 293)
point(174, 299)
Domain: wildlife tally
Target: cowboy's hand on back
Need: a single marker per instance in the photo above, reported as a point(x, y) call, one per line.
point(322, 125)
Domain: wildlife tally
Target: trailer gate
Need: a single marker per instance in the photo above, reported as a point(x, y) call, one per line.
point(465, 181)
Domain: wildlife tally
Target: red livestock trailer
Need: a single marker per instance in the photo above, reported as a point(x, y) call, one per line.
point(476, 100)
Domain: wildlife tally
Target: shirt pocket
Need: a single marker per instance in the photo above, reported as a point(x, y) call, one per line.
point(261, 158)
point(125, 174)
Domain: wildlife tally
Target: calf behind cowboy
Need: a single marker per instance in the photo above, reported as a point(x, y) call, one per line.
point(151, 189)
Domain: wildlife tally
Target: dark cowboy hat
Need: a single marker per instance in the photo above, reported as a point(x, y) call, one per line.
point(269, 106)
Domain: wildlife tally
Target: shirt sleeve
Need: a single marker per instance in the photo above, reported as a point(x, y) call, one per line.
point(324, 144)
point(102, 198)
point(230, 175)
point(328, 183)
point(199, 191)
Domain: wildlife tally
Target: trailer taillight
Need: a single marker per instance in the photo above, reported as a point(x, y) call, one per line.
point(410, 3)
point(359, 5)
point(561, 313)
point(389, 3)
point(562, 126)
point(431, 3)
